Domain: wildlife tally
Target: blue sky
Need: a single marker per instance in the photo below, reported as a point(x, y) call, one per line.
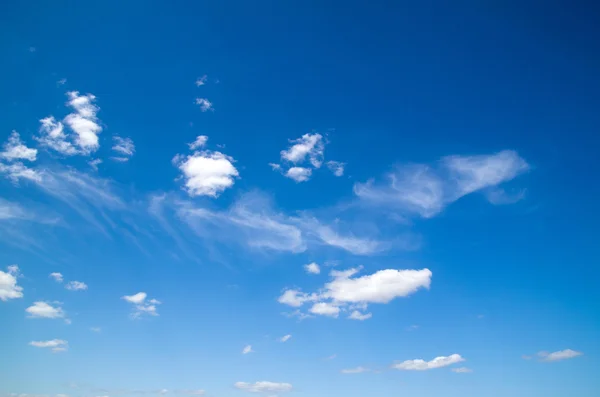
point(298, 199)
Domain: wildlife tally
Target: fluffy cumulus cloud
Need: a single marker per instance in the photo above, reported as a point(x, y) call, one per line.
point(52, 136)
point(124, 148)
point(559, 355)
point(58, 277)
point(312, 268)
point(205, 104)
point(264, 387)
point(299, 174)
point(141, 305)
point(462, 370)
point(8, 284)
point(76, 286)
point(303, 155)
point(207, 173)
point(422, 365)
point(14, 149)
point(200, 81)
point(45, 310)
point(56, 345)
point(425, 190)
point(336, 167)
point(347, 292)
point(199, 142)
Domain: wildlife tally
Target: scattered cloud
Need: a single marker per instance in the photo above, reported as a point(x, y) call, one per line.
point(17, 171)
point(336, 167)
point(124, 147)
point(309, 146)
point(95, 163)
point(207, 173)
point(299, 174)
point(462, 370)
point(285, 338)
point(83, 121)
point(425, 190)
point(200, 81)
point(559, 355)
point(58, 277)
point(142, 306)
point(422, 365)
point(61, 82)
point(42, 309)
point(357, 370)
point(205, 104)
point(247, 349)
point(76, 286)
point(264, 386)
point(14, 149)
point(52, 136)
point(332, 357)
point(199, 142)
point(312, 268)
point(347, 292)
point(56, 345)
point(8, 284)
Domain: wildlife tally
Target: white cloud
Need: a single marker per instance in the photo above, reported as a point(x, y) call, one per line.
point(207, 173)
point(62, 81)
point(18, 170)
point(84, 121)
point(124, 146)
point(285, 338)
point(94, 163)
point(424, 190)
point(197, 392)
point(336, 167)
point(356, 315)
point(8, 284)
point(200, 81)
point(264, 386)
point(348, 292)
point(350, 243)
point(559, 355)
point(44, 310)
point(309, 145)
point(14, 149)
point(357, 370)
point(142, 306)
point(76, 286)
point(299, 174)
point(312, 268)
point(247, 349)
point(421, 365)
point(205, 104)
point(325, 309)
point(199, 142)
point(52, 135)
point(56, 345)
point(462, 370)
point(58, 277)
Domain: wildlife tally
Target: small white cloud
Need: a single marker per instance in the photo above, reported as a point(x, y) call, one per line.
point(76, 286)
point(312, 268)
point(309, 145)
point(94, 163)
point(325, 309)
point(199, 142)
point(17, 171)
point(8, 284)
point(462, 370)
point(559, 355)
point(200, 81)
point(285, 338)
point(123, 146)
point(422, 365)
point(141, 306)
point(58, 277)
point(205, 104)
point(357, 370)
point(56, 345)
point(52, 135)
point(207, 173)
point(299, 174)
point(247, 349)
point(356, 315)
point(44, 310)
point(197, 392)
point(61, 82)
point(336, 167)
point(14, 149)
point(84, 121)
point(264, 386)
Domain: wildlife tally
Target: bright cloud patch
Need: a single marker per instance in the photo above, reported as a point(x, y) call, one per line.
point(559, 355)
point(462, 370)
point(207, 173)
point(346, 292)
point(45, 310)
point(56, 345)
point(8, 284)
point(83, 121)
point(76, 286)
point(425, 191)
point(263, 387)
point(299, 174)
point(205, 104)
point(307, 150)
point(285, 338)
point(199, 142)
point(247, 349)
point(312, 268)
point(141, 306)
point(14, 149)
point(124, 148)
point(422, 365)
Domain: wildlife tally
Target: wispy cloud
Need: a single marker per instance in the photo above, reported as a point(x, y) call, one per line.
point(124, 148)
point(264, 387)
point(141, 305)
point(205, 104)
point(559, 355)
point(422, 365)
point(42, 309)
point(56, 345)
point(14, 149)
point(207, 173)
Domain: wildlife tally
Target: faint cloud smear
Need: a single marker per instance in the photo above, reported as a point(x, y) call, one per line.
point(422, 365)
point(205, 104)
point(207, 173)
point(336, 167)
point(200, 81)
point(559, 355)
point(264, 386)
point(56, 345)
point(8, 284)
point(285, 338)
point(312, 268)
point(76, 286)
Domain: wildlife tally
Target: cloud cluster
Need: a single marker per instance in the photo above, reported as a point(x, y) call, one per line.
point(142, 306)
point(247, 349)
point(312, 268)
point(303, 156)
point(346, 292)
point(76, 286)
point(425, 190)
point(12, 157)
point(422, 365)
point(56, 345)
point(8, 284)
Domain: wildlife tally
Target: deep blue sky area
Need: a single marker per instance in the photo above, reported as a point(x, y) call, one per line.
point(299, 198)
